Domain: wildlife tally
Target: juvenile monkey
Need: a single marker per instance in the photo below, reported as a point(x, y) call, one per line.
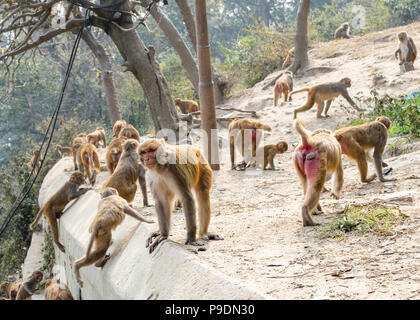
point(29, 286)
point(77, 143)
point(54, 290)
point(111, 213)
point(271, 150)
point(284, 85)
point(325, 92)
point(11, 289)
point(289, 59)
point(176, 171)
point(118, 125)
point(113, 153)
point(406, 51)
point(343, 31)
point(317, 156)
point(356, 142)
point(237, 132)
point(97, 136)
point(88, 161)
point(55, 205)
point(128, 171)
point(35, 161)
point(130, 132)
point(187, 106)
point(64, 151)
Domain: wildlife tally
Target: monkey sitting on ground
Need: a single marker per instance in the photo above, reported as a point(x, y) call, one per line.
point(238, 138)
point(129, 132)
point(358, 140)
point(289, 59)
point(29, 286)
point(284, 85)
point(111, 213)
point(55, 205)
point(54, 290)
point(271, 150)
point(325, 92)
point(317, 156)
point(406, 51)
point(11, 289)
point(64, 151)
point(187, 106)
point(118, 125)
point(343, 31)
point(97, 136)
point(176, 171)
point(77, 143)
point(35, 161)
point(127, 172)
point(113, 153)
point(88, 159)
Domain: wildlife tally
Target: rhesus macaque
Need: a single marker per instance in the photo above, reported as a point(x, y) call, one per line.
point(54, 290)
point(406, 51)
point(118, 125)
point(237, 131)
point(284, 85)
point(128, 171)
point(88, 161)
point(271, 150)
point(11, 289)
point(55, 205)
point(343, 32)
point(111, 213)
point(113, 153)
point(64, 151)
point(325, 92)
point(317, 156)
point(358, 140)
point(175, 171)
point(187, 106)
point(97, 136)
point(130, 132)
point(29, 286)
point(35, 161)
point(289, 59)
point(77, 143)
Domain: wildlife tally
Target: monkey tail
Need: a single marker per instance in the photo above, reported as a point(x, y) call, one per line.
point(38, 217)
point(300, 127)
point(300, 90)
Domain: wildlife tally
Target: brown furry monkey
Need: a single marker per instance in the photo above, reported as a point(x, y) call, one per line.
point(406, 51)
point(35, 161)
point(55, 205)
point(88, 161)
point(96, 137)
point(111, 213)
point(77, 143)
point(64, 151)
point(11, 289)
point(113, 153)
point(284, 85)
point(187, 106)
point(118, 125)
point(54, 290)
point(343, 31)
point(29, 286)
point(271, 150)
point(289, 59)
point(130, 132)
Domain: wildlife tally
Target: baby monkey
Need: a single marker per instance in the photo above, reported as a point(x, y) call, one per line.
point(271, 150)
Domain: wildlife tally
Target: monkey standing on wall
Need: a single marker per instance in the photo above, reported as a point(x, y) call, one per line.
point(113, 153)
point(97, 136)
point(118, 125)
point(406, 51)
point(77, 143)
point(55, 205)
point(187, 106)
point(319, 154)
point(177, 171)
point(29, 286)
point(283, 85)
point(343, 31)
point(325, 92)
point(54, 290)
point(129, 132)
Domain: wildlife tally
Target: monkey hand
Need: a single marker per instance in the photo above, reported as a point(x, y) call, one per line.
point(155, 243)
point(61, 247)
point(150, 239)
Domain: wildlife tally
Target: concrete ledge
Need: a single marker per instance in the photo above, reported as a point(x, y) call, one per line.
point(171, 272)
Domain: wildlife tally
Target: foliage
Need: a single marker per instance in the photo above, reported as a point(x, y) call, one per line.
point(48, 255)
point(403, 11)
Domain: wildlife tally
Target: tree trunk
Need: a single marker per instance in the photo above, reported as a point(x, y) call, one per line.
point(301, 38)
point(106, 68)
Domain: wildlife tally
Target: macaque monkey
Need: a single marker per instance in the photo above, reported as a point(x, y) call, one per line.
point(130, 132)
point(29, 286)
point(317, 156)
point(187, 106)
point(358, 140)
point(54, 290)
point(88, 161)
point(237, 132)
point(11, 289)
point(97, 136)
point(174, 172)
point(77, 143)
point(289, 59)
point(325, 92)
point(64, 151)
point(55, 205)
point(111, 213)
point(284, 85)
point(118, 125)
point(35, 161)
point(113, 153)
point(406, 51)
point(128, 171)
point(271, 150)
point(343, 32)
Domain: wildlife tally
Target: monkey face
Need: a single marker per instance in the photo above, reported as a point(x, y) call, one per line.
point(385, 121)
point(109, 191)
point(78, 178)
point(115, 155)
point(402, 36)
point(148, 157)
point(347, 82)
point(37, 275)
point(282, 146)
point(130, 145)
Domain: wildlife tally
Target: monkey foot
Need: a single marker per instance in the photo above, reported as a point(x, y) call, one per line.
point(152, 236)
point(212, 236)
point(196, 243)
point(61, 247)
point(158, 240)
point(80, 282)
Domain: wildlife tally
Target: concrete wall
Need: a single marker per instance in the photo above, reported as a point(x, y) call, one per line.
point(171, 272)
